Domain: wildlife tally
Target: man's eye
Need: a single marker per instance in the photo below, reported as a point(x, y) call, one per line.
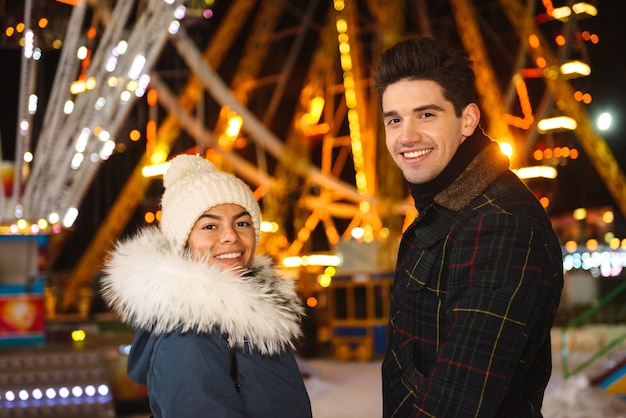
point(392, 121)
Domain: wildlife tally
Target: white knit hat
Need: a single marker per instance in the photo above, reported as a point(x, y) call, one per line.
point(193, 186)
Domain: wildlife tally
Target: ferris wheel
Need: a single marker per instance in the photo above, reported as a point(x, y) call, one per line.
point(277, 92)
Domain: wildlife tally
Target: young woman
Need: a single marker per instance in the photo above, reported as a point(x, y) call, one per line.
point(214, 323)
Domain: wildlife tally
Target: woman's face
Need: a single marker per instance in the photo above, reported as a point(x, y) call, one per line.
point(224, 237)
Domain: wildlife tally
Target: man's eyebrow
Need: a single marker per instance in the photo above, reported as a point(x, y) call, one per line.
point(430, 106)
point(390, 113)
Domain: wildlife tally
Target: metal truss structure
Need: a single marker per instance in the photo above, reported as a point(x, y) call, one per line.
point(270, 62)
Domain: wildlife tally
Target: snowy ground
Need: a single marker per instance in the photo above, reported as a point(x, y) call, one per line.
point(349, 389)
point(353, 389)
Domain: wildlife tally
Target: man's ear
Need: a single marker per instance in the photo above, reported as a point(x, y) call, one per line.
point(471, 118)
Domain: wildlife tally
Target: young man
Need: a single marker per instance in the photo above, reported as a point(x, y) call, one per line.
point(479, 272)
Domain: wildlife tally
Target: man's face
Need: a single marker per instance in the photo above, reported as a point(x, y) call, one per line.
point(422, 131)
point(224, 237)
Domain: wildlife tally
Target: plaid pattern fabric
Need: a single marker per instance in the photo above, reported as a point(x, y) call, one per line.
point(473, 301)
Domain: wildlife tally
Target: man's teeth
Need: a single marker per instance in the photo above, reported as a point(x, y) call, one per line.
point(231, 255)
point(415, 154)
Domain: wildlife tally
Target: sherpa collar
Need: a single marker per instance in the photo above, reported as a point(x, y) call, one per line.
point(473, 181)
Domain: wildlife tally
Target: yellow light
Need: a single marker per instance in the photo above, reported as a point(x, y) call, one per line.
point(324, 280)
point(342, 27)
point(585, 8)
point(608, 217)
point(91, 83)
point(357, 233)
point(556, 123)
point(330, 270)
point(132, 85)
point(267, 226)
point(159, 155)
point(506, 148)
point(579, 214)
point(608, 236)
point(22, 224)
point(561, 13)
point(339, 5)
point(78, 87)
point(154, 170)
point(540, 171)
point(234, 125)
point(575, 69)
point(315, 109)
point(292, 261)
point(592, 244)
point(312, 260)
point(78, 335)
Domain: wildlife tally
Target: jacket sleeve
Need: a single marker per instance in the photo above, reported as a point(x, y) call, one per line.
point(190, 378)
point(500, 279)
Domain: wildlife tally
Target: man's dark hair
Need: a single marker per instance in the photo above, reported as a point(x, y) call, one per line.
point(428, 59)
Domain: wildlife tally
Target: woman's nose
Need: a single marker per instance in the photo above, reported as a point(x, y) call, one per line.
point(229, 235)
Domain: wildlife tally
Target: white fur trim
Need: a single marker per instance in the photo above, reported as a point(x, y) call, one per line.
point(151, 286)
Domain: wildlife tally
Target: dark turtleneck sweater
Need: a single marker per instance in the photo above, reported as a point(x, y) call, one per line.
point(424, 193)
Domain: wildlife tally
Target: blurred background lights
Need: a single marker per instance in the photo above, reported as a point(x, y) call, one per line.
point(604, 121)
point(580, 214)
point(506, 148)
point(78, 335)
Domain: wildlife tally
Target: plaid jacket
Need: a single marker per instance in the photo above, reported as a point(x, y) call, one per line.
point(477, 285)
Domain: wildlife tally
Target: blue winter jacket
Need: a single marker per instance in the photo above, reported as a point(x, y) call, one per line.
point(208, 343)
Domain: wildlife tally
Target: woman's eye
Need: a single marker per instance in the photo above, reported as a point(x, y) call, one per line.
point(243, 224)
point(209, 226)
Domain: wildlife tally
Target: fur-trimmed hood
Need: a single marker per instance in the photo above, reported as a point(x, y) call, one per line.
point(155, 288)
